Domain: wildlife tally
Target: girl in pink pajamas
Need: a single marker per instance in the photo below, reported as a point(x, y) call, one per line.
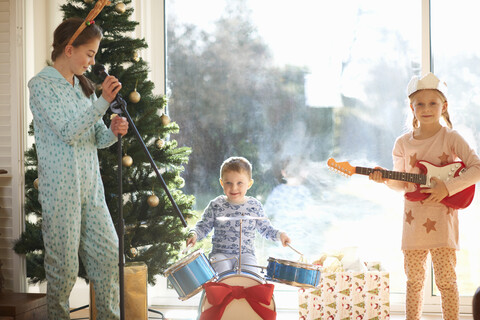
point(68, 131)
point(429, 226)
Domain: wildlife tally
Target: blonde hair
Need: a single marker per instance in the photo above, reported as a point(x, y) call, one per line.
point(236, 164)
point(445, 115)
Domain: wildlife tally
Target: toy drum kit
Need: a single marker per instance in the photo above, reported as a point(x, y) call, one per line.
point(241, 289)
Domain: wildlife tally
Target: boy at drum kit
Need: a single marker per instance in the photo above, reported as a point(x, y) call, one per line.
point(235, 217)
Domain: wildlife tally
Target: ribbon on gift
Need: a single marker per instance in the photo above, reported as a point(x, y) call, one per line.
point(219, 295)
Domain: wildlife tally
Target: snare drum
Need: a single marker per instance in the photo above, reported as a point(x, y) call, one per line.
point(239, 309)
point(189, 274)
point(293, 273)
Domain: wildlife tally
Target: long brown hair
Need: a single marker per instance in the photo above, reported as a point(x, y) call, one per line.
point(62, 35)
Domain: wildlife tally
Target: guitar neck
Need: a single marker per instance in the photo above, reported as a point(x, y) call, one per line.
point(395, 175)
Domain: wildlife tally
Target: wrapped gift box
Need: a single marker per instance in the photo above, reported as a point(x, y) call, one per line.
point(135, 293)
point(347, 295)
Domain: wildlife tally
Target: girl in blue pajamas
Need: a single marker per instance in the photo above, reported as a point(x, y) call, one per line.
point(68, 130)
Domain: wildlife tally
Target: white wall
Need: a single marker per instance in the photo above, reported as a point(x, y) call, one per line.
point(150, 15)
point(11, 139)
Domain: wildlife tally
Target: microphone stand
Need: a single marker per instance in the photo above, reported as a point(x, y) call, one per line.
point(119, 106)
point(121, 232)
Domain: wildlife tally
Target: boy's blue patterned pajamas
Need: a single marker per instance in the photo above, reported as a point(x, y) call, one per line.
point(76, 221)
point(226, 236)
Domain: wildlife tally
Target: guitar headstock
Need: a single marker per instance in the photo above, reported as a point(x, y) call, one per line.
point(341, 167)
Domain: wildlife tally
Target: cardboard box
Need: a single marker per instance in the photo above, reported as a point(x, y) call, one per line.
point(135, 293)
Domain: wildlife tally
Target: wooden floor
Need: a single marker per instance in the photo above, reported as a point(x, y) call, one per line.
point(81, 314)
point(282, 315)
point(179, 314)
point(85, 314)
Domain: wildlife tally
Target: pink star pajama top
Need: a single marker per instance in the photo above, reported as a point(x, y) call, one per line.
point(433, 225)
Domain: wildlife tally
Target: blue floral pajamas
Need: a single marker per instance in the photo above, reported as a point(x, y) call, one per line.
point(76, 222)
point(224, 263)
point(226, 235)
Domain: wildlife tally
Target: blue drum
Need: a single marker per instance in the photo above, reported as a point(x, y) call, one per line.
point(189, 274)
point(293, 273)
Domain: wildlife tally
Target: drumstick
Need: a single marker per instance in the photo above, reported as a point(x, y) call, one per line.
point(288, 244)
point(187, 248)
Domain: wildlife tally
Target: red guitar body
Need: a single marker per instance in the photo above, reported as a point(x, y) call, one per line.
point(459, 200)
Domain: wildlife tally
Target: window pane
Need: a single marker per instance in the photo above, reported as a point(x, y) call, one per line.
point(289, 86)
point(457, 60)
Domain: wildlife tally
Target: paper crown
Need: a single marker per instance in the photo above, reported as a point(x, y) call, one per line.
point(428, 81)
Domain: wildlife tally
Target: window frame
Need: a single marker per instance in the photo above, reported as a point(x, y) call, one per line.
point(432, 304)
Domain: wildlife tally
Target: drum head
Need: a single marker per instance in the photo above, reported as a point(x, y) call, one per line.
point(224, 276)
point(183, 262)
point(239, 309)
point(296, 264)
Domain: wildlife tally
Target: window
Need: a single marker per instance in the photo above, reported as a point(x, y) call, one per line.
point(289, 86)
point(456, 59)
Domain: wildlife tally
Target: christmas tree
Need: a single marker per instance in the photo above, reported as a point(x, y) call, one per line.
point(153, 230)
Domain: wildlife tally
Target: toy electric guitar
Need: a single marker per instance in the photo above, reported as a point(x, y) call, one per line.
point(423, 180)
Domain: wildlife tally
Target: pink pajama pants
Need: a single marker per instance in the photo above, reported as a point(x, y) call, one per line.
point(444, 262)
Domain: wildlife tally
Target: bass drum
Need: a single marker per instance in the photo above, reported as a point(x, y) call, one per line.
point(238, 309)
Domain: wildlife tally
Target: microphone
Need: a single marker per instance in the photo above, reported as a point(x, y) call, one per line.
point(115, 105)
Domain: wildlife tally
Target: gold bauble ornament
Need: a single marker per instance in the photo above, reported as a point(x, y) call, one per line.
point(88, 1)
point(135, 57)
point(120, 7)
point(153, 201)
point(160, 143)
point(133, 252)
point(134, 96)
point(165, 119)
point(127, 161)
point(35, 183)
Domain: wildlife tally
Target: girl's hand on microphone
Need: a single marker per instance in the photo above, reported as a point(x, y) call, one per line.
point(119, 126)
point(110, 88)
